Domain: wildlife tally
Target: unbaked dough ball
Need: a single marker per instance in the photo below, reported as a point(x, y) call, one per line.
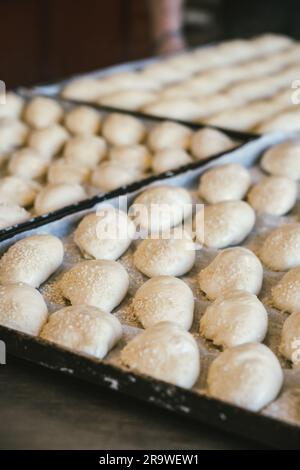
point(48, 141)
point(55, 196)
point(208, 142)
point(224, 183)
point(160, 208)
point(42, 112)
point(225, 223)
point(18, 190)
point(270, 43)
point(166, 352)
point(86, 89)
point(22, 308)
point(174, 108)
point(237, 317)
point(122, 129)
point(286, 294)
point(280, 251)
point(85, 150)
point(275, 195)
point(99, 283)
point(112, 175)
point(12, 214)
point(27, 163)
point(85, 329)
point(169, 134)
point(287, 121)
point(233, 268)
point(83, 120)
point(169, 159)
point(13, 106)
point(290, 339)
point(164, 298)
point(248, 376)
point(283, 160)
point(132, 100)
point(13, 133)
point(133, 156)
point(105, 234)
point(31, 260)
point(165, 257)
point(60, 171)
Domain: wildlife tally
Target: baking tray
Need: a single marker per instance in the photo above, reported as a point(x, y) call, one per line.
point(258, 426)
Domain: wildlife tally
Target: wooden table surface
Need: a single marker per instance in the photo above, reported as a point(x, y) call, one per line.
point(42, 409)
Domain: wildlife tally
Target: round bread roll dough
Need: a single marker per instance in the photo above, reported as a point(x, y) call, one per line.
point(169, 159)
point(22, 308)
point(13, 106)
point(131, 81)
point(290, 339)
point(169, 134)
point(275, 195)
point(99, 283)
point(224, 183)
point(286, 294)
point(269, 43)
point(13, 133)
point(18, 191)
point(31, 260)
point(236, 317)
point(165, 257)
point(112, 175)
point(166, 352)
point(285, 121)
point(12, 214)
point(207, 142)
point(233, 268)
point(106, 234)
point(165, 73)
point(60, 171)
point(132, 100)
point(42, 112)
point(85, 150)
point(248, 375)
point(87, 89)
point(83, 120)
point(164, 298)
point(283, 160)
point(55, 196)
point(174, 108)
point(48, 141)
point(280, 251)
point(133, 156)
point(122, 129)
point(27, 163)
point(160, 208)
point(85, 329)
point(225, 223)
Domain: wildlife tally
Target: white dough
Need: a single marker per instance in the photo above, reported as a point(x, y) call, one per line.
point(237, 317)
point(18, 190)
point(208, 142)
point(285, 121)
point(27, 163)
point(166, 352)
point(12, 214)
point(233, 268)
point(275, 195)
point(86, 89)
point(286, 294)
point(174, 108)
point(60, 171)
point(13, 106)
point(164, 298)
point(13, 133)
point(280, 250)
point(160, 208)
point(104, 235)
point(99, 283)
point(133, 156)
point(83, 120)
point(248, 376)
point(122, 129)
point(85, 329)
point(55, 196)
point(224, 183)
point(48, 141)
point(112, 175)
point(85, 150)
point(22, 308)
point(290, 339)
point(132, 100)
point(225, 223)
point(270, 43)
point(283, 160)
point(31, 260)
point(169, 159)
point(165, 257)
point(169, 134)
point(42, 112)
